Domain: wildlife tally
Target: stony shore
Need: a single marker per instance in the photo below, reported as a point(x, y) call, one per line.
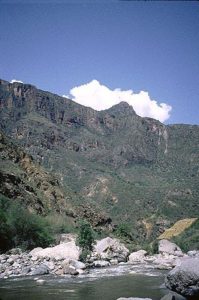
point(63, 260)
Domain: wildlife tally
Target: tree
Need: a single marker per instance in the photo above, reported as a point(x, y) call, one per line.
point(123, 230)
point(85, 239)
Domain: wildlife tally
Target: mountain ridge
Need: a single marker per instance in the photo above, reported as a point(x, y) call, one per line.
point(136, 170)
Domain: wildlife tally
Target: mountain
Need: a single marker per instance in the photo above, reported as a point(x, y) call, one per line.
point(24, 180)
point(118, 166)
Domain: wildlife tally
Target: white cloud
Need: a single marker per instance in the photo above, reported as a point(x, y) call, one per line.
point(14, 80)
point(100, 97)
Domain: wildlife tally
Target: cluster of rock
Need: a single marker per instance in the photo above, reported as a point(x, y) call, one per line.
point(63, 259)
point(110, 251)
point(21, 264)
point(182, 280)
point(169, 255)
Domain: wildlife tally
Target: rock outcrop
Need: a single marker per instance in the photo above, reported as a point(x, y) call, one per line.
point(173, 296)
point(167, 247)
point(122, 149)
point(110, 249)
point(184, 279)
point(137, 256)
point(65, 250)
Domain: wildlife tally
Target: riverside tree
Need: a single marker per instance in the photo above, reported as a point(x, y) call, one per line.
point(85, 239)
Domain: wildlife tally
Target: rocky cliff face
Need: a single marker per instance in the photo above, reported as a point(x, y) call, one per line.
point(134, 170)
point(23, 180)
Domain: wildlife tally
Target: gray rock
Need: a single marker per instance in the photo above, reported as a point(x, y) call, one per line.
point(173, 296)
point(184, 279)
point(77, 264)
point(34, 251)
point(108, 248)
point(101, 263)
point(15, 251)
point(167, 247)
point(133, 298)
point(25, 270)
point(137, 256)
point(41, 270)
point(193, 253)
point(10, 261)
point(70, 270)
point(50, 265)
point(114, 262)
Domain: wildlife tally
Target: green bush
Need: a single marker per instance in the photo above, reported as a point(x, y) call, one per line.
point(60, 223)
point(123, 231)
point(20, 228)
point(85, 239)
point(4, 233)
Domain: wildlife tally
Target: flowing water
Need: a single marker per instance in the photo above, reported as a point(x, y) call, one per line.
point(100, 284)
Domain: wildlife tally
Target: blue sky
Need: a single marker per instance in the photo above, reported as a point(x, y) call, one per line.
point(140, 46)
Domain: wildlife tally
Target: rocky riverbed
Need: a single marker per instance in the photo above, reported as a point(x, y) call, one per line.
point(110, 258)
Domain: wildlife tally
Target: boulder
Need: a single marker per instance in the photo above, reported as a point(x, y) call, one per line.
point(184, 278)
point(173, 296)
point(137, 256)
point(41, 270)
point(114, 262)
point(101, 263)
point(167, 247)
point(165, 262)
point(77, 264)
point(109, 248)
point(59, 272)
point(62, 251)
point(15, 251)
point(133, 298)
point(34, 251)
point(193, 253)
point(25, 270)
point(67, 269)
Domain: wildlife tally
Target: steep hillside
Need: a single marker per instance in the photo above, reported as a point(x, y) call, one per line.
point(21, 179)
point(135, 170)
point(25, 181)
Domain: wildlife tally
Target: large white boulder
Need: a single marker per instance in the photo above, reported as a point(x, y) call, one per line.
point(62, 251)
point(167, 247)
point(109, 248)
point(137, 256)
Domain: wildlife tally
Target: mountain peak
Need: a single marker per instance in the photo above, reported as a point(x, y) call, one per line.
point(122, 108)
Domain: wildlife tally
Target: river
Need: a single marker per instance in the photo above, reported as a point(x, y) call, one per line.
point(100, 284)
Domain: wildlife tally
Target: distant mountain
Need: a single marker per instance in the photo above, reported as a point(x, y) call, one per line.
point(118, 166)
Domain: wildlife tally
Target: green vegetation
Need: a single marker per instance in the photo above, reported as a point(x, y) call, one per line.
point(129, 168)
point(60, 223)
point(85, 239)
point(123, 231)
point(189, 239)
point(20, 228)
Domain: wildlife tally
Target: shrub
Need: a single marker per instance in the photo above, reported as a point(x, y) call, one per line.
point(4, 232)
point(123, 231)
point(85, 239)
point(20, 228)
